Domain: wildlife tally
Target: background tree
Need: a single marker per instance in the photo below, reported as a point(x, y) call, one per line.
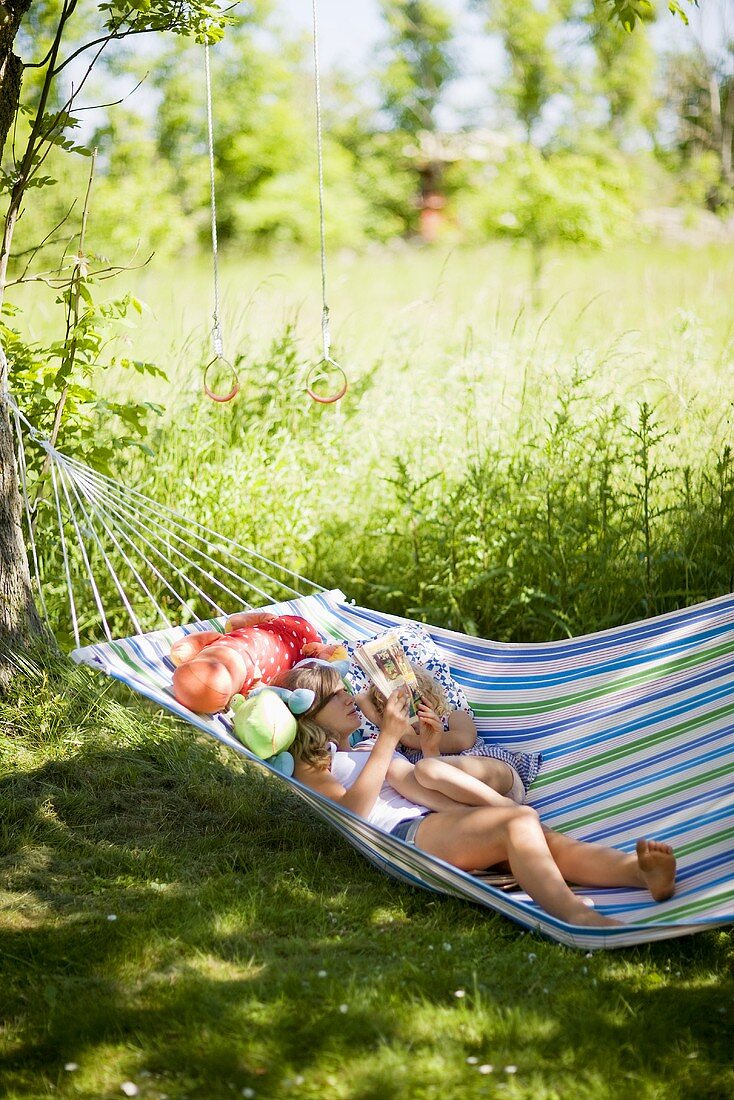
point(18, 616)
point(566, 198)
point(418, 66)
point(529, 33)
point(264, 143)
point(700, 90)
point(624, 73)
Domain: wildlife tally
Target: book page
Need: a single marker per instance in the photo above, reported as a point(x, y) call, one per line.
point(386, 663)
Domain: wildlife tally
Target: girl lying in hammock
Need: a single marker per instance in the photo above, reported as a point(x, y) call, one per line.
point(451, 733)
point(468, 837)
point(443, 774)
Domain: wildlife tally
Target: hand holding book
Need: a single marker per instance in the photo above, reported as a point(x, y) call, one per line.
point(430, 730)
point(386, 663)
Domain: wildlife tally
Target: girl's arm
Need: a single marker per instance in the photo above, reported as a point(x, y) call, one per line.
point(368, 708)
point(362, 795)
point(433, 740)
point(461, 734)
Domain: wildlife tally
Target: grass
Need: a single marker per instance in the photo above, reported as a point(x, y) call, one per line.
point(518, 474)
point(253, 950)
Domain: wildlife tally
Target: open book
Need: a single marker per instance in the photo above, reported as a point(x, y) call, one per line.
point(386, 663)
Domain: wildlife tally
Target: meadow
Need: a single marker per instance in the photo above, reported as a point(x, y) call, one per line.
point(515, 471)
point(172, 922)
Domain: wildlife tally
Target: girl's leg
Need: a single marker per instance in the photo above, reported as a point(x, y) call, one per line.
point(402, 776)
point(484, 836)
point(651, 865)
point(495, 773)
point(450, 779)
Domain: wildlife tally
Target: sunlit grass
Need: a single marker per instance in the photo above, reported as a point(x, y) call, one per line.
point(486, 468)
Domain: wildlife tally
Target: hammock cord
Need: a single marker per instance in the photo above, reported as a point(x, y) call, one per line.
point(105, 558)
point(65, 554)
point(168, 561)
point(23, 474)
point(124, 513)
point(166, 558)
point(325, 333)
point(85, 556)
point(133, 569)
point(217, 341)
point(150, 541)
point(176, 519)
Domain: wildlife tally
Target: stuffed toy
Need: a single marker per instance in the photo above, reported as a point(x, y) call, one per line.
point(211, 667)
point(264, 723)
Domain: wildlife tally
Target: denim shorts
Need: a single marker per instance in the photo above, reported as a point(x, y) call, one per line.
point(406, 829)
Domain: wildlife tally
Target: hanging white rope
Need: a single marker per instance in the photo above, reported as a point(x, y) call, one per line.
point(23, 474)
point(136, 574)
point(65, 554)
point(117, 507)
point(131, 534)
point(161, 577)
point(109, 565)
point(85, 557)
point(328, 366)
point(219, 365)
point(172, 517)
point(131, 521)
point(136, 530)
point(208, 537)
point(325, 333)
point(217, 329)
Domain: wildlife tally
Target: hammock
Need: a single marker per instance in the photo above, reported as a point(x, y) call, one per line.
point(635, 725)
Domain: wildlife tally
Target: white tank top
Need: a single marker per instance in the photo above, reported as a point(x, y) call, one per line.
point(390, 807)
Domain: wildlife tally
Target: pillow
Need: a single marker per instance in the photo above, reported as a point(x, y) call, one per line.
point(420, 648)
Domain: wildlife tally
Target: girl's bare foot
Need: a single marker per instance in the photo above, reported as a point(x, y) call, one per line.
point(657, 868)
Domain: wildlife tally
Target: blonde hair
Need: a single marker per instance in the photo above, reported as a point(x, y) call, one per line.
point(431, 692)
point(311, 738)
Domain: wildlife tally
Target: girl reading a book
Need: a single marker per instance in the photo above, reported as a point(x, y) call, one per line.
point(451, 734)
point(468, 837)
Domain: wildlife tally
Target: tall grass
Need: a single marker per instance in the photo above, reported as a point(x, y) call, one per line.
point(518, 474)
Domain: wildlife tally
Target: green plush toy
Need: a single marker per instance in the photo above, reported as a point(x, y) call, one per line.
point(265, 725)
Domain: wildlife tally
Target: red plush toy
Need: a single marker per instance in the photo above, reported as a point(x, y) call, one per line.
point(212, 667)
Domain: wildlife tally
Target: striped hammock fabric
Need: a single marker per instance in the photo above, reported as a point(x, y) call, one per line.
point(635, 725)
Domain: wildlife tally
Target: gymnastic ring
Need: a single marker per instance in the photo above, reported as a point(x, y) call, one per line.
point(221, 399)
point(332, 364)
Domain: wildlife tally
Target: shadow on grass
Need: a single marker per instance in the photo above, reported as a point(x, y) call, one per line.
point(252, 945)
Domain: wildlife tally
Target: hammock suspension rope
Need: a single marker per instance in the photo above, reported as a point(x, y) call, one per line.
point(155, 547)
point(327, 368)
point(327, 371)
point(218, 366)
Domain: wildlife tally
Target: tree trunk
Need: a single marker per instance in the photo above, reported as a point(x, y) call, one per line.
point(11, 67)
point(19, 620)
